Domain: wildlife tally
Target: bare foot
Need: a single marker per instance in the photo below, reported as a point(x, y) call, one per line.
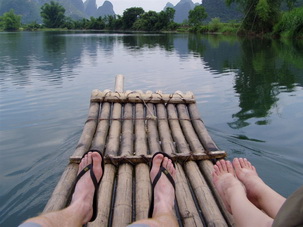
point(247, 174)
point(226, 182)
point(84, 191)
point(164, 192)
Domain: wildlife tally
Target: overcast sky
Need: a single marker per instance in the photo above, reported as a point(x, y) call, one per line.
point(155, 5)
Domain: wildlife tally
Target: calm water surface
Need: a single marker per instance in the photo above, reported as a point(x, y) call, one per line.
point(249, 93)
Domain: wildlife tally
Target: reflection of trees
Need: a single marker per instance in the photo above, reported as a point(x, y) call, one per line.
point(263, 68)
point(221, 53)
point(50, 56)
point(259, 81)
point(137, 41)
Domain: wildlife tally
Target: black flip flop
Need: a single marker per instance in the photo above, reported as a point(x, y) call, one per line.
point(96, 184)
point(167, 174)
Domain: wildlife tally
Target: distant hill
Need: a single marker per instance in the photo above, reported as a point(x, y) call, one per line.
point(106, 9)
point(182, 9)
point(214, 8)
point(218, 8)
point(76, 9)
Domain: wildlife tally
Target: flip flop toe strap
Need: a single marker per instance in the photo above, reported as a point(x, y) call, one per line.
point(93, 177)
point(167, 174)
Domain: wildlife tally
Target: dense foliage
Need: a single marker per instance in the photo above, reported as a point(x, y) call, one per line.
point(133, 19)
point(197, 15)
point(259, 15)
point(10, 21)
point(130, 16)
point(265, 19)
point(291, 23)
point(153, 21)
point(53, 15)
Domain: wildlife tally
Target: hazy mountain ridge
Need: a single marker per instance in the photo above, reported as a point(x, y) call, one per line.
point(213, 8)
point(76, 9)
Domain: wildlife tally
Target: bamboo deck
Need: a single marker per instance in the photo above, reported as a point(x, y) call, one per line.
point(128, 128)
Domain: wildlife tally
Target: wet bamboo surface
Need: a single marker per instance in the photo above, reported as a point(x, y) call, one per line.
point(128, 132)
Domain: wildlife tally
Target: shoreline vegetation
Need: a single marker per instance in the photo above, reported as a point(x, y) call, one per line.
point(285, 24)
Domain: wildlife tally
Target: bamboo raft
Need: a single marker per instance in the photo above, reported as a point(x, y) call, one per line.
point(128, 128)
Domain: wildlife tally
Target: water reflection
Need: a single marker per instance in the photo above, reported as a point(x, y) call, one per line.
point(263, 68)
point(262, 75)
point(242, 81)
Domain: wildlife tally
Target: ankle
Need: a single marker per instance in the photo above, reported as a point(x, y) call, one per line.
point(161, 208)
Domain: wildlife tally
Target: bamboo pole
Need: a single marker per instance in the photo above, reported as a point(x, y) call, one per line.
point(188, 130)
point(127, 131)
point(143, 187)
point(105, 197)
point(147, 158)
point(106, 185)
point(181, 144)
point(88, 130)
point(113, 142)
point(152, 130)
point(143, 191)
point(63, 189)
point(136, 97)
point(119, 83)
point(122, 214)
point(123, 204)
point(164, 131)
point(187, 208)
point(99, 140)
point(140, 132)
point(201, 130)
point(206, 201)
point(206, 166)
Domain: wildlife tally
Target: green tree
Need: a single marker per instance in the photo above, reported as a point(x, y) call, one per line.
point(10, 21)
point(53, 15)
point(197, 15)
point(130, 16)
point(260, 15)
point(96, 23)
point(147, 21)
point(166, 18)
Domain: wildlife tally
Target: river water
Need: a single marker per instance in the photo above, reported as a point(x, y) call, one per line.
point(249, 93)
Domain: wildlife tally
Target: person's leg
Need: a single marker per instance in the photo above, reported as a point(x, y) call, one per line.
point(164, 195)
point(260, 194)
point(80, 210)
point(234, 196)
